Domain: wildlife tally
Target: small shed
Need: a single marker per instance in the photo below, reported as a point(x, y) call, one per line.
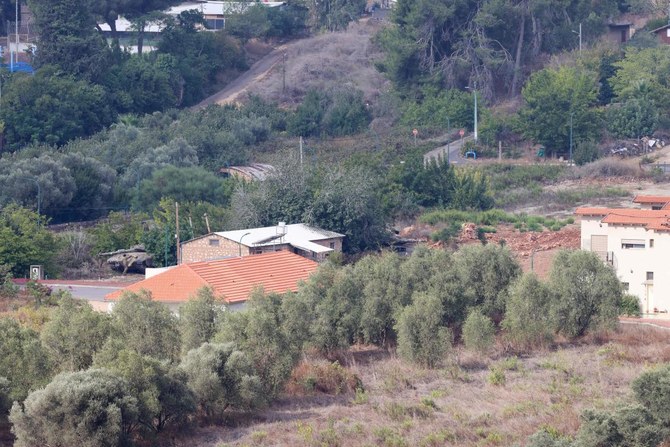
point(662, 34)
point(619, 32)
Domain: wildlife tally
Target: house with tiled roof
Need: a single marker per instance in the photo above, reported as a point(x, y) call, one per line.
point(636, 243)
point(304, 240)
point(232, 279)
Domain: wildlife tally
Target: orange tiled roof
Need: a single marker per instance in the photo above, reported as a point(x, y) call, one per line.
point(658, 220)
point(651, 199)
point(590, 211)
point(233, 279)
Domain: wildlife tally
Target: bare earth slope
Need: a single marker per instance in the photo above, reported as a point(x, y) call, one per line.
point(342, 59)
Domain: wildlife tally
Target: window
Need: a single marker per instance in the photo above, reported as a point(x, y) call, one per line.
point(651, 243)
point(215, 24)
point(650, 276)
point(632, 244)
point(214, 242)
point(625, 286)
point(657, 207)
point(332, 245)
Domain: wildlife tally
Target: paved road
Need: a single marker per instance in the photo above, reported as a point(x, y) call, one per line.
point(90, 293)
point(454, 148)
point(240, 84)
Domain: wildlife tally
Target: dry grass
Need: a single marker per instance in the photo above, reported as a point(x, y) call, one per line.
point(345, 59)
point(459, 405)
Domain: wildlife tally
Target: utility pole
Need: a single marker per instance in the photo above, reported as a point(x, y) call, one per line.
point(176, 205)
point(474, 90)
point(283, 72)
point(571, 115)
point(300, 151)
point(207, 223)
point(16, 27)
point(580, 38)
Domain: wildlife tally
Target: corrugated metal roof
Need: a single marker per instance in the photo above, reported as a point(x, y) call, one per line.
point(297, 235)
point(233, 279)
point(257, 171)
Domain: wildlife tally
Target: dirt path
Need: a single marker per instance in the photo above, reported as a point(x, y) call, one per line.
point(237, 87)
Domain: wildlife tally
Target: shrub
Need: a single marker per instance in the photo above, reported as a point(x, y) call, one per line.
point(421, 337)
point(327, 378)
point(585, 152)
point(527, 321)
point(497, 376)
point(588, 293)
point(631, 426)
point(630, 305)
point(90, 408)
point(198, 319)
point(220, 377)
point(74, 334)
point(146, 326)
point(652, 390)
point(486, 272)
point(547, 438)
point(478, 332)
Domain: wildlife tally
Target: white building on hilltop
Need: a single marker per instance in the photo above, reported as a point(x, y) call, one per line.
point(636, 243)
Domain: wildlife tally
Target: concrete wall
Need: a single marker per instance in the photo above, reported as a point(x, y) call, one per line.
point(204, 249)
point(632, 264)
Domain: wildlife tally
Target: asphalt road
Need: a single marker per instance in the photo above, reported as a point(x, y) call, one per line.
point(454, 148)
point(90, 293)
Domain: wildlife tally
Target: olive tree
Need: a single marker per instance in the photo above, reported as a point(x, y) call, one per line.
point(258, 333)
point(199, 318)
point(486, 271)
point(527, 320)
point(421, 337)
point(74, 333)
point(588, 293)
point(90, 408)
point(146, 326)
point(23, 360)
point(478, 332)
point(163, 398)
point(220, 377)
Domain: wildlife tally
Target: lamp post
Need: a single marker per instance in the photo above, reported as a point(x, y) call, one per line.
point(474, 90)
point(580, 38)
point(571, 115)
point(240, 246)
point(448, 137)
point(39, 196)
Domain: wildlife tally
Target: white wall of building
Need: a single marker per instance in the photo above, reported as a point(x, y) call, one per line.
point(633, 264)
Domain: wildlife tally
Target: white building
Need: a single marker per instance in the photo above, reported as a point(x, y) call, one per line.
point(636, 242)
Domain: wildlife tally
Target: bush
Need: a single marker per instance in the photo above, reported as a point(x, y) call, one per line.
point(327, 378)
point(478, 332)
point(199, 318)
point(585, 152)
point(421, 337)
point(527, 321)
point(652, 390)
point(220, 377)
point(588, 293)
point(89, 408)
point(630, 305)
point(546, 438)
point(631, 426)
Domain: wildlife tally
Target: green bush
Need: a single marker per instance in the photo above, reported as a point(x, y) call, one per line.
point(527, 320)
point(421, 337)
point(652, 390)
point(478, 332)
point(90, 408)
point(630, 305)
point(588, 293)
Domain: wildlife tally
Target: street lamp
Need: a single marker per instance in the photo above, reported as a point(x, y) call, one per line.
point(242, 237)
point(474, 90)
point(39, 195)
point(580, 38)
point(448, 138)
point(571, 115)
